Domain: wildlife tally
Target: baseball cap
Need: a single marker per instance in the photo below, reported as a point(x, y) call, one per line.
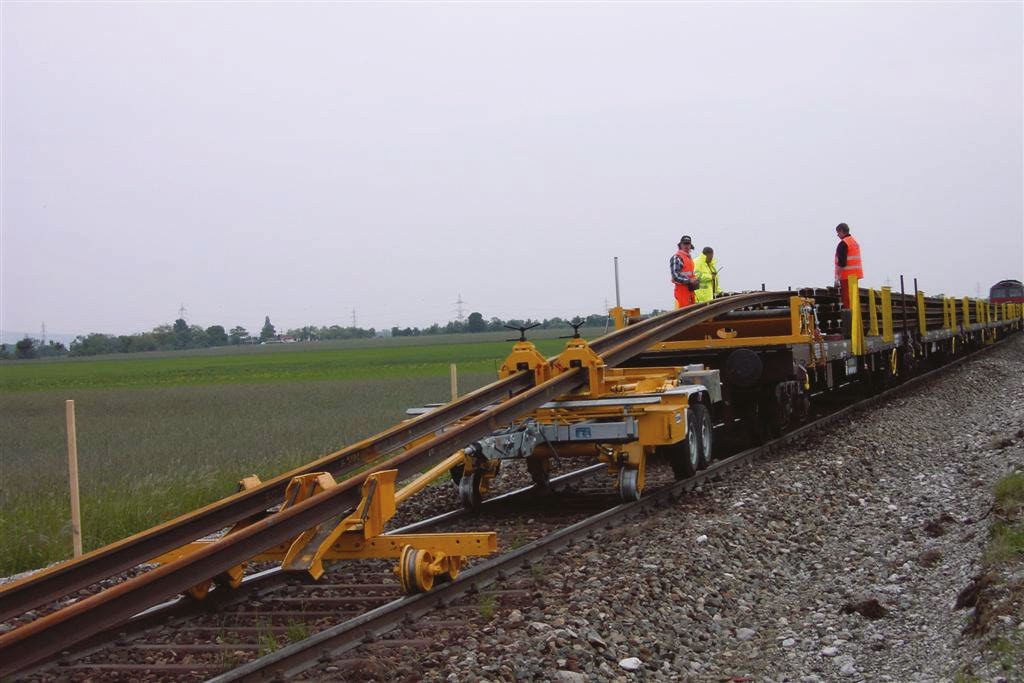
point(685, 239)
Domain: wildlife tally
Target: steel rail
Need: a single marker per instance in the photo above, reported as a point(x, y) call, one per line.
point(53, 632)
point(268, 579)
point(675, 323)
point(48, 634)
point(65, 578)
point(294, 659)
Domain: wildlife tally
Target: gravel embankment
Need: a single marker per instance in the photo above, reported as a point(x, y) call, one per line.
point(769, 573)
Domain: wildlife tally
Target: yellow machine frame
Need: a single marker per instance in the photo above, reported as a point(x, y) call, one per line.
point(360, 535)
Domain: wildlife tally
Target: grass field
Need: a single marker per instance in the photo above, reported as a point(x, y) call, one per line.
point(344, 360)
point(163, 434)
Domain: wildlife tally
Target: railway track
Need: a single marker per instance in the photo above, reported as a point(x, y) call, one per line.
point(472, 417)
point(475, 416)
point(269, 631)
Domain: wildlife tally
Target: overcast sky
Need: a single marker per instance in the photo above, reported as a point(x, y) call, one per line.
point(304, 160)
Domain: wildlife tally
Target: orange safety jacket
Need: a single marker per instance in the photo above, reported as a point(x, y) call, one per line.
point(687, 272)
point(853, 264)
point(683, 275)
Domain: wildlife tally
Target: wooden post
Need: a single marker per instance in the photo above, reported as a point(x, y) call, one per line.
point(455, 382)
point(76, 512)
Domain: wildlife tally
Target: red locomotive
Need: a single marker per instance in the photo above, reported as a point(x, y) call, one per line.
point(1007, 292)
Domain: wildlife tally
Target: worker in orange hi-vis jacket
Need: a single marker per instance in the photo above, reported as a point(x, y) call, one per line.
point(848, 261)
point(684, 275)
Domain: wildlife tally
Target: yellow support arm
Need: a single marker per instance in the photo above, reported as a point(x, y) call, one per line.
point(887, 332)
point(872, 314)
point(856, 322)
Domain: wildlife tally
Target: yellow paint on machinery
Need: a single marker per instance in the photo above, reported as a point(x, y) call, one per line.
point(631, 411)
point(793, 326)
point(360, 535)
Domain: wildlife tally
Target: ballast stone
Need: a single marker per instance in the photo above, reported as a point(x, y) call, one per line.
point(630, 663)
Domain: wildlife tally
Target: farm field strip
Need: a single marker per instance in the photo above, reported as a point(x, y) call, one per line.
point(372, 359)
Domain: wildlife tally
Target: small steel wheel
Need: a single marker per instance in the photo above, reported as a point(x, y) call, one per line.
point(629, 489)
point(469, 490)
point(453, 565)
point(538, 470)
point(704, 432)
point(414, 571)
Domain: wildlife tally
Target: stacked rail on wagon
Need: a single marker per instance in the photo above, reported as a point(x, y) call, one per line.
point(775, 358)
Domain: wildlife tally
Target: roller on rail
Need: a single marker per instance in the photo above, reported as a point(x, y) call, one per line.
point(756, 362)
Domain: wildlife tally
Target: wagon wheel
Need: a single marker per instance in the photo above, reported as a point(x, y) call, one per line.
point(685, 456)
point(704, 432)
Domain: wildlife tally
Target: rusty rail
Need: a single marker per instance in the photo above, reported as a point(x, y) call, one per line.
point(67, 577)
point(54, 632)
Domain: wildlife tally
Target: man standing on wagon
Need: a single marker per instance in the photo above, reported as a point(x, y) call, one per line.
point(847, 261)
point(707, 273)
point(684, 275)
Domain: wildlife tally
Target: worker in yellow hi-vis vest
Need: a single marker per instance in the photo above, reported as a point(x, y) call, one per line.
point(707, 274)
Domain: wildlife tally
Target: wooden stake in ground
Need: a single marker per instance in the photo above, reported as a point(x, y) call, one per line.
point(455, 382)
point(76, 513)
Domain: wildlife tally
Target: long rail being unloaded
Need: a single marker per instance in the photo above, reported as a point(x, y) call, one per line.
point(501, 403)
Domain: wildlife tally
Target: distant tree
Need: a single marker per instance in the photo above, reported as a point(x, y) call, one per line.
point(216, 336)
point(53, 348)
point(268, 330)
point(135, 343)
point(475, 323)
point(238, 334)
point(5, 352)
point(182, 335)
point(95, 344)
point(26, 348)
point(164, 336)
point(197, 338)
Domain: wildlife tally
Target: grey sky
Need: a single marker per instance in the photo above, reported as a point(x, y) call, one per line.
point(299, 161)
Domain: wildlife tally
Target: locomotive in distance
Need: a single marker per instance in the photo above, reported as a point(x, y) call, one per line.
point(1007, 292)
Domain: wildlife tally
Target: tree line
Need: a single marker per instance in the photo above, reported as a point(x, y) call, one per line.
point(180, 335)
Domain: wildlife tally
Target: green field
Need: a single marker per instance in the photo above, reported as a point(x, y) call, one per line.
point(161, 434)
point(346, 360)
